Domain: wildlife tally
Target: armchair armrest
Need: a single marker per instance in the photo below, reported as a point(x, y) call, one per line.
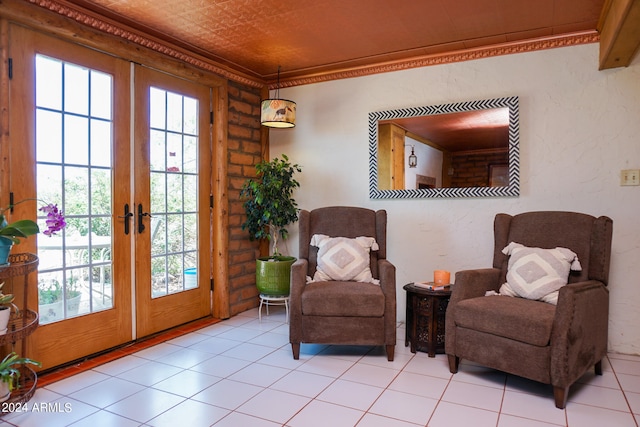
point(298, 276)
point(580, 330)
point(474, 283)
point(298, 280)
point(387, 272)
point(468, 284)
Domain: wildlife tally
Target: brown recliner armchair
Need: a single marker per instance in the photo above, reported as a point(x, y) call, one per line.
point(552, 344)
point(343, 312)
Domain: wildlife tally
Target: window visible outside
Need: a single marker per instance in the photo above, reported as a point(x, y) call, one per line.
point(73, 166)
point(174, 191)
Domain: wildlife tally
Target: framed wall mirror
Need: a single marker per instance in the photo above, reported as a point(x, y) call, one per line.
point(464, 149)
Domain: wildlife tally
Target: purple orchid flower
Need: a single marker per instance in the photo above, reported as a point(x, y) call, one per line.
point(55, 219)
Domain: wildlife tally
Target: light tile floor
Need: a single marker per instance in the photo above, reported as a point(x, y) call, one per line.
point(240, 372)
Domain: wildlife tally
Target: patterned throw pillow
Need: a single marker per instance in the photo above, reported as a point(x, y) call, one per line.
point(342, 258)
point(536, 273)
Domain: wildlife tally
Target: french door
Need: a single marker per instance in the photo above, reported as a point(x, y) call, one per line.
point(171, 166)
point(130, 174)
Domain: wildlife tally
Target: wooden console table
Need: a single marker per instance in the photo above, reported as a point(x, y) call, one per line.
point(425, 317)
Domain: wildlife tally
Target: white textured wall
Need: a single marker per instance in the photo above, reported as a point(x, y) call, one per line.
point(578, 128)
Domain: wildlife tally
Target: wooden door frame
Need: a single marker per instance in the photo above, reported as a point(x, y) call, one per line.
point(220, 213)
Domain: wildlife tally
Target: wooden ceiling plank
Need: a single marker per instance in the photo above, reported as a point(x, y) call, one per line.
point(620, 34)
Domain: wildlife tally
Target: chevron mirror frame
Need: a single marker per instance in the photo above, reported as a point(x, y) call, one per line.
point(512, 189)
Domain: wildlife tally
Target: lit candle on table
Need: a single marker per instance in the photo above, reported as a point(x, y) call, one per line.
point(441, 277)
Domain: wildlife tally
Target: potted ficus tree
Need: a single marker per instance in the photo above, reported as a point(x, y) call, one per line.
point(270, 207)
point(10, 373)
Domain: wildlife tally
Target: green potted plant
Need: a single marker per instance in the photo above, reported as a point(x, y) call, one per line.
point(270, 207)
point(10, 373)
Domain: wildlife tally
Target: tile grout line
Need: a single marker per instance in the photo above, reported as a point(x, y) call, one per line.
point(504, 395)
point(435, 408)
point(624, 393)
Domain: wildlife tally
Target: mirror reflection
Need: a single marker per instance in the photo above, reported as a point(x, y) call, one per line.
point(450, 150)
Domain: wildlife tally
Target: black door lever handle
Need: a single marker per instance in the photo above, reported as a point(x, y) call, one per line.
point(126, 217)
point(141, 214)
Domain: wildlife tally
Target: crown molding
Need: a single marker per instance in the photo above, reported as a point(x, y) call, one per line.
point(116, 29)
point(509, 48)
point(111, 27)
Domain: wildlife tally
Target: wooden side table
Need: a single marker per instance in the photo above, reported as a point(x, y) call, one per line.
point(425, 316)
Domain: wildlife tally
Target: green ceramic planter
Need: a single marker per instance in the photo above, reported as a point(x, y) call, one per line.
point(273, 275)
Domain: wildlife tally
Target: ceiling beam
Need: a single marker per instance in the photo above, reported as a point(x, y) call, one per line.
point(619, 33)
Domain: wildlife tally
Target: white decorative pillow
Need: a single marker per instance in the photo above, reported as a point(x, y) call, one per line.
point(342, 258)
point(536, 273)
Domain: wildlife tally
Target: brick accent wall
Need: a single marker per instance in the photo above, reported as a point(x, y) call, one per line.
point(472, 170)
point(244, 151)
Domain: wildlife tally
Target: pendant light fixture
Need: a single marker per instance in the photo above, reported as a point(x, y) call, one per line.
point(276, 112)
point(413, 159)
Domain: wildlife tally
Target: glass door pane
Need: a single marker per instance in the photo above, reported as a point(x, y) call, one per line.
point(174, 191)
point(73, 167)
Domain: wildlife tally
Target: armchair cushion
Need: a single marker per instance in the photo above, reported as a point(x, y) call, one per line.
point(536, 273)
point(513, 318)
point(339, 298)
point(343, 259)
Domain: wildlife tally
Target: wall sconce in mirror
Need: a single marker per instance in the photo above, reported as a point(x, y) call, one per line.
point(413, 160)
point(276, 112)
point(466, 149)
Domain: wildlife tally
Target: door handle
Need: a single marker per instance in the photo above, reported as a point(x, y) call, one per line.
point(126, 217)
point(141, 214)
